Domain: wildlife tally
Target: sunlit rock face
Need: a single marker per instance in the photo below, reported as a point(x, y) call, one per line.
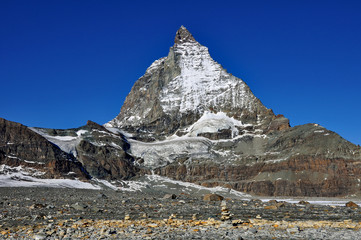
point(177, 90)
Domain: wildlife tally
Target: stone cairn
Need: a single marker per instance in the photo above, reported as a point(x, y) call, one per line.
point(225, 214)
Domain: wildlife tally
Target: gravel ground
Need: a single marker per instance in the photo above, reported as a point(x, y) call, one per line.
point(53, 213)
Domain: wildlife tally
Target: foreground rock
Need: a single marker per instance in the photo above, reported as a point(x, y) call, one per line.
point(212, 197)
point(40, 213)
point(185, 229)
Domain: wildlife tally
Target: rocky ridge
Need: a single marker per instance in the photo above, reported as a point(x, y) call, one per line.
point(102, 153)
point(21, 147)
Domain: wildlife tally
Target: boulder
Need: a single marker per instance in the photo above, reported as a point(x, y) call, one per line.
point(170, 196)
point(351, 204)
point(212, 197)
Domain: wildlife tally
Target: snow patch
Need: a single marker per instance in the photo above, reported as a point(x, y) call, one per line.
point(161, 153)
point(106, 183)
point(319, 131)
point(160, 183)
point(81, 132)
point(155, 65)
point(65, 143)
point(31, 162)
point(214, 122)
point(202, 83)
point(63, 138)
point(26, 177)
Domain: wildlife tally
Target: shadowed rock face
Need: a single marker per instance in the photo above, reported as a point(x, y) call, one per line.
point(19, 146)
point(104, 154)
point(86, 152)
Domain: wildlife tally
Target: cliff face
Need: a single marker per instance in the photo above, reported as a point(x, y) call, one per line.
point(102, 153)
point(87, 152)
point(19, 146)
point(301, 161)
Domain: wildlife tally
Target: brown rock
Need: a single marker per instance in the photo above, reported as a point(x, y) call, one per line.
point(170, 196)
point(183, 35)
point(351, 204)
point(20, 146)
point(212, 197)
point(221, 134)
point(309, 181)
point(206, 184)
point(271, 207)
point(227, 185)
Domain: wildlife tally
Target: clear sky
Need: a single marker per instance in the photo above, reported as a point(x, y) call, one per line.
point(65, 62)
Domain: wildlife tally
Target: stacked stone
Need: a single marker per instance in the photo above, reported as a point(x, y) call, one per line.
point(225, 214)
point(172, 216)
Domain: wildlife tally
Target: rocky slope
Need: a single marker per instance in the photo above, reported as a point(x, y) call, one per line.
point(28, 213)
point(191, 120)
point(28, 151)
point(102, 153)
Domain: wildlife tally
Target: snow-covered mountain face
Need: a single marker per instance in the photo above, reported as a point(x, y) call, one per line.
point(189, 119)
point(179, 89)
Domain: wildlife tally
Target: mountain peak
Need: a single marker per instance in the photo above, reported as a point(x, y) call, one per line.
point(179, 89)
point(183, 35)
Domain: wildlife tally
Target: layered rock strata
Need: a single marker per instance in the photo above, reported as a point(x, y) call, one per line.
point(20, 147)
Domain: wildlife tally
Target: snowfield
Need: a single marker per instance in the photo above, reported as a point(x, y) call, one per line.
point(65, 143)
point(26, 177)
point(214, 122)
point(156, 154)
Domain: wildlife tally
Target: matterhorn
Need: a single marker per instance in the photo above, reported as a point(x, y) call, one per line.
point(189, 119)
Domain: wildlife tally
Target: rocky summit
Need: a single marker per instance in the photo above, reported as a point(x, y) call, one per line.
point(188, 93)
point(190, 120)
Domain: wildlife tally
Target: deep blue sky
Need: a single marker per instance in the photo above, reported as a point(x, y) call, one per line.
point(64, 62)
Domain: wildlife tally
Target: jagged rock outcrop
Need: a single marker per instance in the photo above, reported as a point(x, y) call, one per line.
point(91, 151)
point(108, 157)
point(21, 147)
point(102, 153)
